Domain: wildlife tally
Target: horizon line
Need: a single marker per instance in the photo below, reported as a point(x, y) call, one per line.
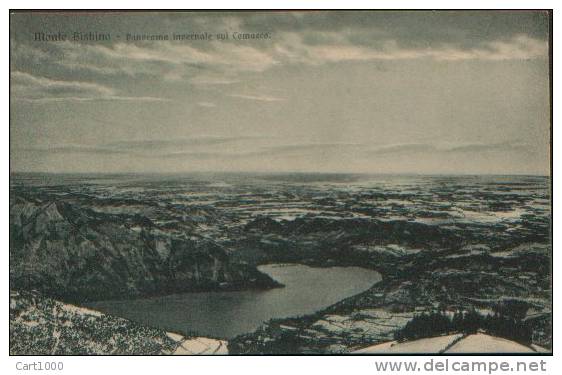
point(285, 172)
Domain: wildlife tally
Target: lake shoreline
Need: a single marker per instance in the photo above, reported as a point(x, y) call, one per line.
point(227, 314)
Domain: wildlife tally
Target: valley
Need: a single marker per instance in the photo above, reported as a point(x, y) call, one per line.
point(447, 243)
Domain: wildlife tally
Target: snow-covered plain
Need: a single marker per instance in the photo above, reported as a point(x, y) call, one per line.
point(455, 343)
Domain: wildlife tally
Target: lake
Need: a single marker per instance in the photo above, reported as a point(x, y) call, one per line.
point(228, 314)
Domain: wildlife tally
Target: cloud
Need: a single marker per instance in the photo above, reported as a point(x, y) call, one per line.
point(314, 147)
point(226, 63)
point(199, 155)
point(202, 148)
point(337, 49)
point(515, 146)
point(160, 144)
point(173, 60)
point(370, 150)
point(360, 149)
point(444, 148)
point(301, 149)
point(311, 38)
point(147, 148)
point(421, 28)
point(206, 104)
point(211, 81)
point(405, 148)
point(73, 149)
point(261, 98)
point(31, 88)
point(89, 99)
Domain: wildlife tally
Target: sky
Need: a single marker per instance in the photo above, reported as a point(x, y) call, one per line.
point(420, 92)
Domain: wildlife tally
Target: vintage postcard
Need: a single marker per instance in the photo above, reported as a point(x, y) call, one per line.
point(280, 182)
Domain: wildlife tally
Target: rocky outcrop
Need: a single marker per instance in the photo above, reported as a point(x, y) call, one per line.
point(76, 254)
